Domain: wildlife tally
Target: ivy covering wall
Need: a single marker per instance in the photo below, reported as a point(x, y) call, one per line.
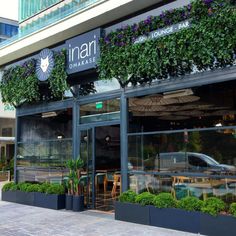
point(20, 85)
point(209, 43)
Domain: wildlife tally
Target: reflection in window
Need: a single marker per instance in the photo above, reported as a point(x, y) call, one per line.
point(98, 86)
point(44, 145)
point(100, 111)
point(199, 107)
point(182, 186)
point(206, 151)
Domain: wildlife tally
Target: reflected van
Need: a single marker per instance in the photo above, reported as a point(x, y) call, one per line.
point(192, 162)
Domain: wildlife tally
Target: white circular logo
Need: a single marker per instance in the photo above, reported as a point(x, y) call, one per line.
point(45, 64)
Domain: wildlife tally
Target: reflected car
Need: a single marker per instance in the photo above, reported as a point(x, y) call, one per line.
point(192, 162)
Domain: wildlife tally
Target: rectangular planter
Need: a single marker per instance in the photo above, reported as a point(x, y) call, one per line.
point(78, 203)
point(9, 196)
point(51, 201)
point(26, 198)
point(132, 213)
point(69, 202)
point(176, 219)
point(217, 226)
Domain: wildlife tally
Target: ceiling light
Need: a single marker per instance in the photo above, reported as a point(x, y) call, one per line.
point(218, 125)
point(49, 114)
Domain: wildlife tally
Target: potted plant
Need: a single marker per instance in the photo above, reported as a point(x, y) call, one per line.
point(74, 197)
point(207, 217)
point(69, 184)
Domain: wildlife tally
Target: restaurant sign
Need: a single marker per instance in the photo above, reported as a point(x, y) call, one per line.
point(83, 51)
point(163, 32)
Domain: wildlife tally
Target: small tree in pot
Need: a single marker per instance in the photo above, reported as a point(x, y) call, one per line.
point(74, 198)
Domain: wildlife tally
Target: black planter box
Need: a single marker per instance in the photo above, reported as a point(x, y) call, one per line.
point(51, 201)
point(218, 226)
point(78, 203)
point(9, 196)
point(132, 213)
point(26, 198)
point(175, 219)
point(69, 202)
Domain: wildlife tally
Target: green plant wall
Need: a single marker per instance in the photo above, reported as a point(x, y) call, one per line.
point(209, 43)
point(20, 85)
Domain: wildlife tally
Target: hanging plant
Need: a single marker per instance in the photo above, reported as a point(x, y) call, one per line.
point(20, 85)
point(209, 43)
point(58, 78)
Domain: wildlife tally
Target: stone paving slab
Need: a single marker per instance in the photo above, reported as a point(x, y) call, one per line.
point(22, 220)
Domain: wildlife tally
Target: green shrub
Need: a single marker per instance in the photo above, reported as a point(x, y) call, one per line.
point(9, 186)
point(190, 204)
point(43, 187)
point(128, 196)
point(213, 206)
point(33, 188)
point(164, 200)
point(145, 198)
point(232, 209)
point(23, 186)
point(55, 189)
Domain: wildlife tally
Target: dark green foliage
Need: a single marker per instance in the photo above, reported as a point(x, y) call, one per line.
point(33, 188)
point(145, 198)
point(9, 186)
point(55, 189)
point(213, 206)
point(209, 43)
point(190, 204)
point(23, 186)
point(57, 79)
point(164, 200)
point(128, 196)
point(19, 83)
point(232, 209)
point(43, 187)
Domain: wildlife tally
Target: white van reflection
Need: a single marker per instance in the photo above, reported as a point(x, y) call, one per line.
point(191, 162)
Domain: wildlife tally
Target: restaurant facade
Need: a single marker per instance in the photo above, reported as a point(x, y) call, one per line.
point(148, 102)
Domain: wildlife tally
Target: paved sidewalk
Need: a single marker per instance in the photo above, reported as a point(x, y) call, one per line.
point(21, 220)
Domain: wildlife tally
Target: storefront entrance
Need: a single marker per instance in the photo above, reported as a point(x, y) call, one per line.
point(101, 178)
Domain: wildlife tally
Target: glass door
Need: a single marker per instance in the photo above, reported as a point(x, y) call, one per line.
point(107, 166)
point(87, 175)
point(101, 178)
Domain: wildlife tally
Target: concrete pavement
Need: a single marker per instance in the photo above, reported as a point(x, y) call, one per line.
point(22, 220)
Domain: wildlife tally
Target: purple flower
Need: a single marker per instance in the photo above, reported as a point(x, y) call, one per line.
point(189, 7)
point(183, 15)
point(210, 11)
point(147, 22)
point(207, 2)
point(107, 40)
point(163, 14)
point(120, 36)
point(134, 27)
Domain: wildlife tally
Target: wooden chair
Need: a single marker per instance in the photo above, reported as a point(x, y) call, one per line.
point(116, 183)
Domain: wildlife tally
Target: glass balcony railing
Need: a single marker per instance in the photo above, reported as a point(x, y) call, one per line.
point(48, 19)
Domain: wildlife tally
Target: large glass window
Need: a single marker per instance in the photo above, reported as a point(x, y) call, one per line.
point(45, 144)
point(184, 142)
